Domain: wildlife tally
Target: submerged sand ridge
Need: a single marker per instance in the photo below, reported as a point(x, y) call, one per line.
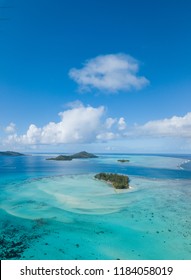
point(65, 193)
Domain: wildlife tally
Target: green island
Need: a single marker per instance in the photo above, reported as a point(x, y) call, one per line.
point(82, 155)
point(118, 181)
point(123, 160)
point(11, 153)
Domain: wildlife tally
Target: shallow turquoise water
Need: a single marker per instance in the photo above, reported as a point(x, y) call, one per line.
point(57, 210)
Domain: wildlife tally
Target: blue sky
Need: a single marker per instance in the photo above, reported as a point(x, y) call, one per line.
point(107, 76)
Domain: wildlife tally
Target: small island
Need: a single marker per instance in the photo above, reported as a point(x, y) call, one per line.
point(118, 181)
point(11, 153)
point(80, 155)
point(123, 160)
point(60, 157)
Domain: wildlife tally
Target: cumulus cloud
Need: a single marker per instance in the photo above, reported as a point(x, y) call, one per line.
point(110, 122)
point(87, 124)
point(10, 128)
point(78, 124)
point(122, 124)
point(109, 73)
point(169, 127)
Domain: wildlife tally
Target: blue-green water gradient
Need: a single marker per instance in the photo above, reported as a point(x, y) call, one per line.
point(58, 210)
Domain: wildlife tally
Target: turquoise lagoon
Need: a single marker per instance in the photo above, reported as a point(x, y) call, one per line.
point(57, 210)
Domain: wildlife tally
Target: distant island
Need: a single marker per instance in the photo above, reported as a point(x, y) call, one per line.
point(118, 181)
point(82, 155)
point(123, 160)
point(11, 153)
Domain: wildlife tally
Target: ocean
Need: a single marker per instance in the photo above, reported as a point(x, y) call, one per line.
point(57, 210)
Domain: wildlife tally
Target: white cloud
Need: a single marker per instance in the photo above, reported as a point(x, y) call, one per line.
point(79, 124)
point(10, 128)
point(110, 73)
point(74, 104)
point(86, 124)
point(110, 122)
point(122, 124)
point(169, 127)
point(105, 136)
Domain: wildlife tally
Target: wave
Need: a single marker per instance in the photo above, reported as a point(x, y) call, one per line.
point(185, 165)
